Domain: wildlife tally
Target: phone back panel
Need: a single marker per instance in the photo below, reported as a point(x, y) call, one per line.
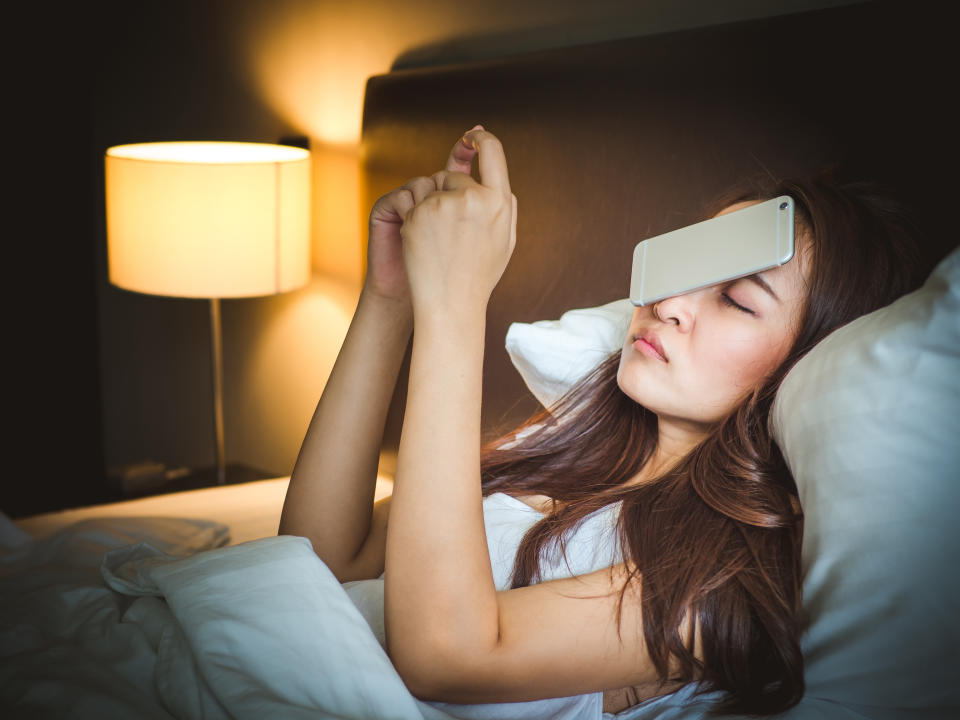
point(722, 248)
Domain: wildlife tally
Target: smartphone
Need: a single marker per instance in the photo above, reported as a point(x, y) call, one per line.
point(743, 242)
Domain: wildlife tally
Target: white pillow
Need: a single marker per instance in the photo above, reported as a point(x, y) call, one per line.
point(552, 355)
point(262, 629)
point(869, 424)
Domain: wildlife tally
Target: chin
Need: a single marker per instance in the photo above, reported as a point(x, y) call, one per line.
point(620, 379)
point(633, 390)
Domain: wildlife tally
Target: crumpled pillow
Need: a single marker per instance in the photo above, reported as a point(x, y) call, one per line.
point(869, 424)
point(552, 355)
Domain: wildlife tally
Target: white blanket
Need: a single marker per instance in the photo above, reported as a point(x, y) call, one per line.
point(64, 652)
point(93, 624)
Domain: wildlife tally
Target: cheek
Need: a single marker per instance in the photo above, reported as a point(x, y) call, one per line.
point(743, 360)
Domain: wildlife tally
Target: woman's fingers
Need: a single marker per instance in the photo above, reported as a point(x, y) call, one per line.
point(440, 176)
point(394, 206)
point(462, 154)
point(459, 239)
point(446, 180)
point(420, 187)
point(492, 161)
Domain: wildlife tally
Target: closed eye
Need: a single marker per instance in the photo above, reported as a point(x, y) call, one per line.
point(727, 299)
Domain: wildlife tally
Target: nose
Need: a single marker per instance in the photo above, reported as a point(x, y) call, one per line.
point(678, 310)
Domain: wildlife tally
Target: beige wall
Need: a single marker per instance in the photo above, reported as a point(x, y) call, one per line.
point(257, 71)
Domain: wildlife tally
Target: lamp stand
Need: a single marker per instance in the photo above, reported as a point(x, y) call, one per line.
point(217, 355)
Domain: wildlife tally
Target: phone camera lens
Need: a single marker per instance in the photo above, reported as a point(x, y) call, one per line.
point(783, 206)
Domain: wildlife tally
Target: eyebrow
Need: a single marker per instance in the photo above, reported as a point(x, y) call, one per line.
point(758, 280)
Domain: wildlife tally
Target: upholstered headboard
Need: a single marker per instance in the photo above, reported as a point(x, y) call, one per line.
point(610, 143)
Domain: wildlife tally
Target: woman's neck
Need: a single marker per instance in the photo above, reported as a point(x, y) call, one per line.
point(672, 447)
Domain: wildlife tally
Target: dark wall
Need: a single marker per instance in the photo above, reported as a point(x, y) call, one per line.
point(614, 142)
point(53, 429)
point(91, 77)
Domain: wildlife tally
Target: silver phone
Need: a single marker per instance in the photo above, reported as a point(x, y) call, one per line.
point(722, 248)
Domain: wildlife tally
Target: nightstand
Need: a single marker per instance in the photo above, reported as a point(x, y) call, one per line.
point(148, 478)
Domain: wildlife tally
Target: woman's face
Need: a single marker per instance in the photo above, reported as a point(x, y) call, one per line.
point(715, 353)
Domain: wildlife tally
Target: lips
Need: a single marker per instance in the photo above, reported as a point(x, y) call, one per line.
point(652, 340)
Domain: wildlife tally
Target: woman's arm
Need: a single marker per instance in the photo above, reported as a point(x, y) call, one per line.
point(451, 635)
point(331, 491)
point(439, 593)
point(330, 498)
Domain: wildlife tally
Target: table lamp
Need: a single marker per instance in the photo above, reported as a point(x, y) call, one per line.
point(208, 220)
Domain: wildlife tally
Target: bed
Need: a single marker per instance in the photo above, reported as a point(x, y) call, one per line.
point(607, 143)
point(251, 510)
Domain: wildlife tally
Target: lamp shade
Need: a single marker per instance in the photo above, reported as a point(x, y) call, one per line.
point(208, 219)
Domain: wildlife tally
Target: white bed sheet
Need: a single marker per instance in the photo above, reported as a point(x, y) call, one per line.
point(251, 510)
point(134, 610)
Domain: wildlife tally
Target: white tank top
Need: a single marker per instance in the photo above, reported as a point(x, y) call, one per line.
point(590, 546)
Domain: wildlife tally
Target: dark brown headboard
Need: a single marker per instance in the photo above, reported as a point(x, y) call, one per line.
point(610, 143)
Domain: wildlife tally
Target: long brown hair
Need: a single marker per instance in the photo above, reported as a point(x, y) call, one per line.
point(721, 531)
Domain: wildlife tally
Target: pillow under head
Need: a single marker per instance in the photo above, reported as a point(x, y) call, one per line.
point(869, 424)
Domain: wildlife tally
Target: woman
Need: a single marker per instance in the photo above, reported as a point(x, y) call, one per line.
point(674, 427)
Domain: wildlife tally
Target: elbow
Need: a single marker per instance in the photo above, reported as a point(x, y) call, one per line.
point(341, 570)
point(424, 668)
point(438, 670)
point(290, 524)
point(420, 687)
point(415, 667)
point(443, 658)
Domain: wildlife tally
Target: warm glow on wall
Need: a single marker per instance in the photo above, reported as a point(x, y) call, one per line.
point(208, 219)
point(310, 59)
point(339, 233)
point(310, 62)
point(283, 365)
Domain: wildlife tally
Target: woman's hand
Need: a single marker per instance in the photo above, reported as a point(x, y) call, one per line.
point(386, 274)
point(458, 239)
